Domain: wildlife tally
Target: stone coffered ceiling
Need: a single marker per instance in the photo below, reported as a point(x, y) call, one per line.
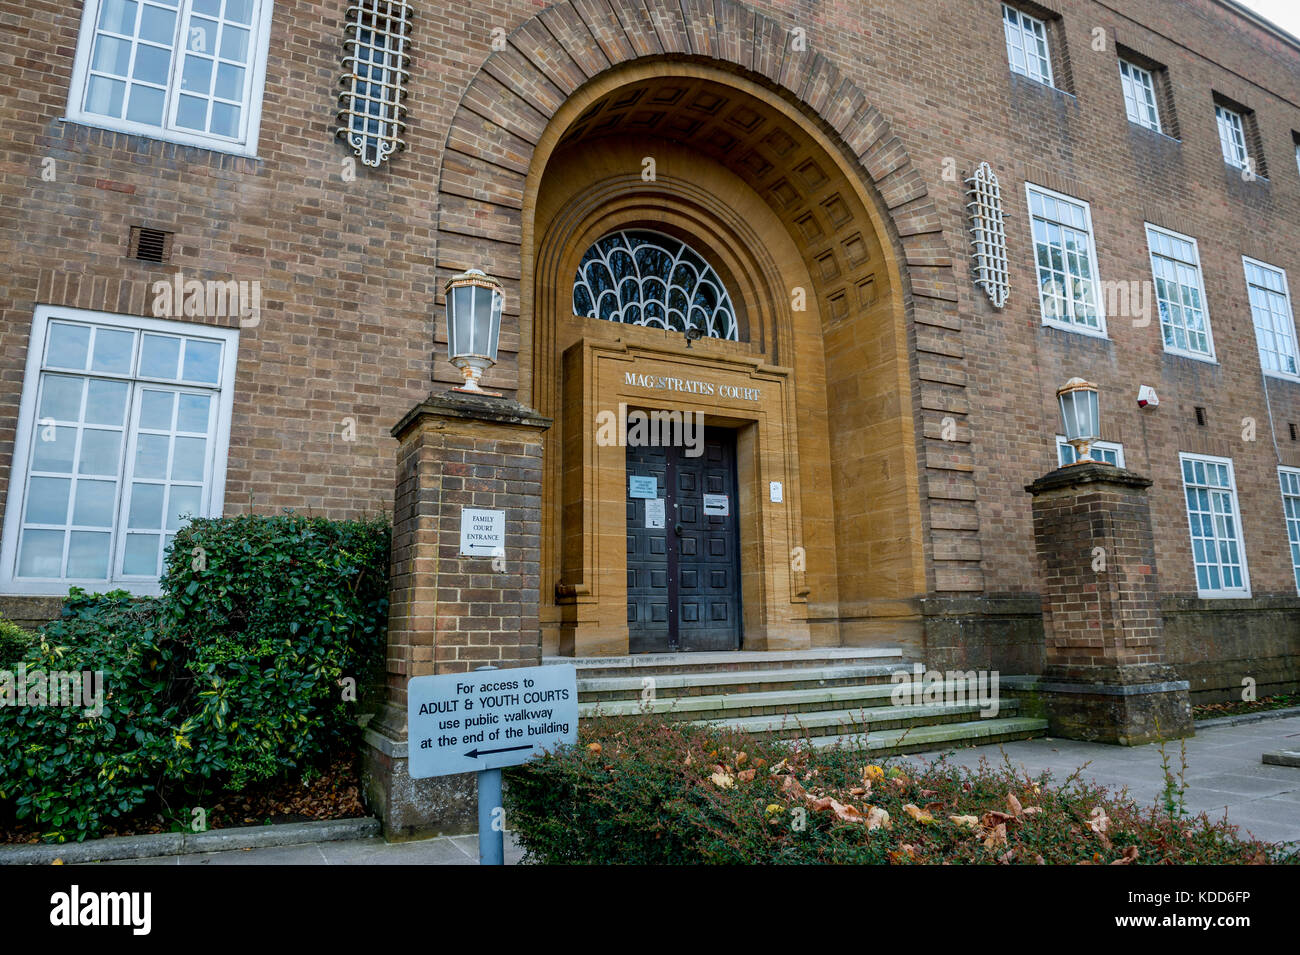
point(792, 175)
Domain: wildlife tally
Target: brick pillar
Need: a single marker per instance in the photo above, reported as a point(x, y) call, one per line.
point(1106, 676)
point(449, 613)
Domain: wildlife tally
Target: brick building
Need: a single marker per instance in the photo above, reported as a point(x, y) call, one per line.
point(806, 169)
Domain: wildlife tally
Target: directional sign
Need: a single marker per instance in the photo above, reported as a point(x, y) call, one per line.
point(469, 722)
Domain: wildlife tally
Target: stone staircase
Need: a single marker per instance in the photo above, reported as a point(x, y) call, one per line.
point(823, 696)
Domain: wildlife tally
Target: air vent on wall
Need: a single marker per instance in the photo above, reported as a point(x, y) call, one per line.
point(150, 245)
point(1200, 416)
point(1293, 433)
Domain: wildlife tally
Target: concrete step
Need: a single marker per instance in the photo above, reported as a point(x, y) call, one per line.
point(856, 721)
point(604, 688)
point(651, 664)
point(793, 703)
point(923, 739)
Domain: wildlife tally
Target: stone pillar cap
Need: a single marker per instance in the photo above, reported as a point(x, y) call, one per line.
point(465, 405)
point(1089, 472)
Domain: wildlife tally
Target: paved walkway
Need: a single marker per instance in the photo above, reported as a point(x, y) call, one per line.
point(1224, 773)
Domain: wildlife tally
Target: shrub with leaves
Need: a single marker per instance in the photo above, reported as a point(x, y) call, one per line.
point(67, 772)
point(277, 612)
point(648, 791)
point(14, 641)
point(237, 673)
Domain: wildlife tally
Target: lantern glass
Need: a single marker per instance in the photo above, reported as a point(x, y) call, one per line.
point(474, 305)
point(1080, 417)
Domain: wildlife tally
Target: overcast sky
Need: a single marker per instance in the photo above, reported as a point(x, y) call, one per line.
point(1285, 13)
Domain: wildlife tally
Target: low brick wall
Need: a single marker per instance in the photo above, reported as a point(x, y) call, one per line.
point(1216, 644)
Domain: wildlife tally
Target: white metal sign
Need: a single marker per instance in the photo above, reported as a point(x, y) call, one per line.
point(775, 491)
point(487, 719)
point(482, 533)
point(717, 505)
point(654, 513)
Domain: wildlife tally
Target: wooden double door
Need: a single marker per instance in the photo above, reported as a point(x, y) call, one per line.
point(683, 560)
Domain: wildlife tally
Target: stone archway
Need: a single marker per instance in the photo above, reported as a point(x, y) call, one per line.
point(521, 104)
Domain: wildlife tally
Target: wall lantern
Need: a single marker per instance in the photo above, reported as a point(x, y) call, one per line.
point(1081, 417)
point(473, 326)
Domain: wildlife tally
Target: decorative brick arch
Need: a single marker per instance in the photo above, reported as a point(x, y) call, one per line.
point(484, 203)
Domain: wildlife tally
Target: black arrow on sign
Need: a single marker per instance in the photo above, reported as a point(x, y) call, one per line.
point(476, 753)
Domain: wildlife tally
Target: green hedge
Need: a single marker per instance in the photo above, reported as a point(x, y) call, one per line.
point(237, 673)
point(14, 642)
point(651, 792)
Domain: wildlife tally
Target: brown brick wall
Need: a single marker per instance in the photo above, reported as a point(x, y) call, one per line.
point(348, 269)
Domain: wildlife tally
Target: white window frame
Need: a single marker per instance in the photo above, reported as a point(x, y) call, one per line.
point(1207, 356)
point(1292, 524)
point(1220, 593)
point(16, 498)
point(1027, 28)
point(251, 119)
point(1247, 261)
point(1236, 153)
point(1133, 80)
point(1063, 445)
point(1069, 326)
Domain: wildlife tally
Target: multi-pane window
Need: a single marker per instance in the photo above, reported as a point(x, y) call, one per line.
point(1213, 517)
point(1027, 45)
point(1106, 451)
point(1180, 293)
point(1232, 137)
point(188, 70)
point(120, 441)
point(1066, 260)
point(1290, 479)
point(1139, 95)
point(1270, 306)
point(376, 60)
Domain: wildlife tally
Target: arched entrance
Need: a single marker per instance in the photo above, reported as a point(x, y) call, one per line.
point(716, 163)
point(779, 173)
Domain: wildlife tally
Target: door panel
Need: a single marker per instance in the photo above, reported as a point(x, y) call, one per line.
point(684, 579)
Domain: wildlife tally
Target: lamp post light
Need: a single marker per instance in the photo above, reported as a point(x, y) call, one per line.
point(1081, 417)
point(473, 326)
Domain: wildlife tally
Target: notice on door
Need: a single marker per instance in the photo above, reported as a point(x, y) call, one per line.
point(642, 487)
point(718, 505)
point(654, 513)
point(465, 722)
point(482, 533)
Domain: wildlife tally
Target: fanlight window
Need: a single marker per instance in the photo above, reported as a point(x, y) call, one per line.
point(644, 278)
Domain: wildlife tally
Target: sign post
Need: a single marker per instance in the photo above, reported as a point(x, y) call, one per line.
point(483, 721)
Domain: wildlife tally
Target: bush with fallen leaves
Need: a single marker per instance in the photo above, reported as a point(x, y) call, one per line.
point(650, 791)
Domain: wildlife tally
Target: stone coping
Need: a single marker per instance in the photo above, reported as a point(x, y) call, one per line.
point(461, 404)
point(1079, 475)
point(186, 843)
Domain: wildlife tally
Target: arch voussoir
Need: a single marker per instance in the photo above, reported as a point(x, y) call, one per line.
point(605, 27)
point(572, 33)
point(635, 21)
point(669, 25)
point(735, 24)
point(515, 71)
point(499, 103)
point(536, 44)
point(701, 27)
point(769, 47)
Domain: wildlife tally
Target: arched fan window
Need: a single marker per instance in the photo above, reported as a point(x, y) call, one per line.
point(645, 278)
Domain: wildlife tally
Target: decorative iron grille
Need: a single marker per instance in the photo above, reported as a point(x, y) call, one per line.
point(376, 67)
point(645, 278)
point(988, 235)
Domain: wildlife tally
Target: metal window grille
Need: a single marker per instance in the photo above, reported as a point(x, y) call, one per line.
point(988, 235)
point(376, 68)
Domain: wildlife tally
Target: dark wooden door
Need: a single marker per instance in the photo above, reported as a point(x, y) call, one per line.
point(683, 580)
